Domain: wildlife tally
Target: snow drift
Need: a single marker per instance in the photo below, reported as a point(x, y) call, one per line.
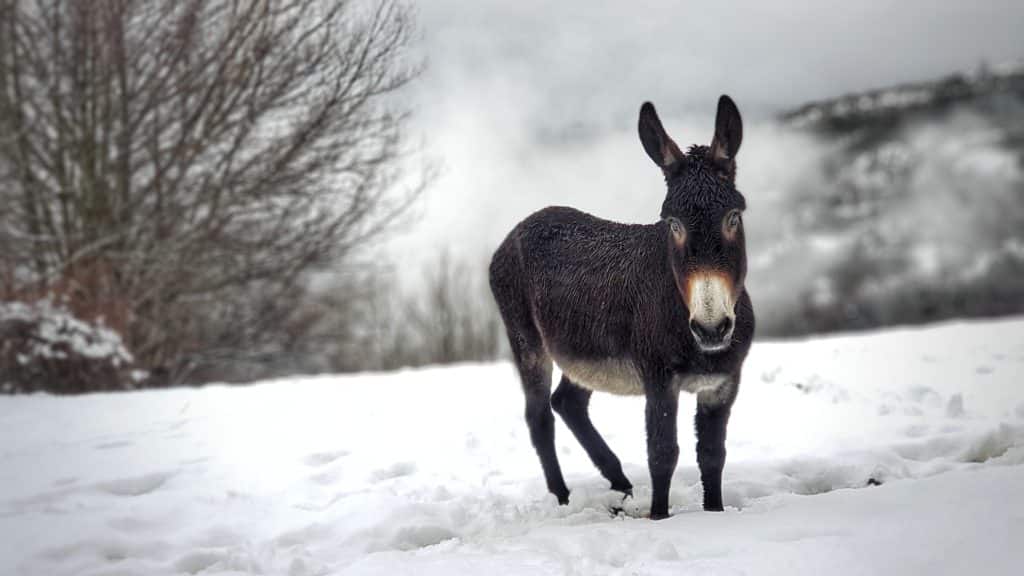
point(890, 452)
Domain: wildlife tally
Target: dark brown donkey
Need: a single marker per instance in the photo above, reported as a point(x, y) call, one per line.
point(636, 309)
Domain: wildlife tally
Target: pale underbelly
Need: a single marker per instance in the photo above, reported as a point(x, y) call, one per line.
point(618, 376)
point(609, 375)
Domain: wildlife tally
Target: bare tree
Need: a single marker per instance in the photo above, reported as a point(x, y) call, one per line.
point(455, 319)
point(179, 167)
point(364, 320)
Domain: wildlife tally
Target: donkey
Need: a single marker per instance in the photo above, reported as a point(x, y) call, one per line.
point(636, 309)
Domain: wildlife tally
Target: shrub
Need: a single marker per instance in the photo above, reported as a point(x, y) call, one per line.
point(44, 347)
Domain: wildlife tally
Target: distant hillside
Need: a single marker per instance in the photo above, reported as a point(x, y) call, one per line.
point(913, 210)
point(980, 90)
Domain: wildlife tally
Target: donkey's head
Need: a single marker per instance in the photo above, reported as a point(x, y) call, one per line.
point(702, 215)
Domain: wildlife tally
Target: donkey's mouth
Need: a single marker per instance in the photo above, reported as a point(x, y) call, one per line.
point(712, 339)
point(714, 348)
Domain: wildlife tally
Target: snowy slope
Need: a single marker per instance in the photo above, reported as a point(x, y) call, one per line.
point(431, 472)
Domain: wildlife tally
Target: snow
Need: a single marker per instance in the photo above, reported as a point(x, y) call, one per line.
point(431, 472)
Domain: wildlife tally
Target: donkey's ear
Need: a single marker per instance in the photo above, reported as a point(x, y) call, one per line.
point(728, 132)
point(656, 142)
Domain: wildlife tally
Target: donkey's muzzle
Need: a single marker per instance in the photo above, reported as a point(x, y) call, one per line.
point(712, 338)
point(711, 298)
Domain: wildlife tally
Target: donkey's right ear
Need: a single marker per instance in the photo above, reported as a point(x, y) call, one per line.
point(656, 142)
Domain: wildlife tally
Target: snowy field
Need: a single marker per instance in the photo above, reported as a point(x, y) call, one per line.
point(431, 472)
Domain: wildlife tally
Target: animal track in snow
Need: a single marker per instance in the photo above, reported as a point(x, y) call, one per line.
point(110, 549)
point(199, 560)
point(115, 444)
point(407, 538)
point(130, 524)
point(396, 470)
point(769, 376)
point(955, 407)
point(917, 430)
point(136, 485)
point(924, 395)
point(326, 477)
point(323, 458)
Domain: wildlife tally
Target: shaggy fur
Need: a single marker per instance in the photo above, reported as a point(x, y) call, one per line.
point(605, 301)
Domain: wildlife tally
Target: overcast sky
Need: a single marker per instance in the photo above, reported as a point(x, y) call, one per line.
point(526, 104)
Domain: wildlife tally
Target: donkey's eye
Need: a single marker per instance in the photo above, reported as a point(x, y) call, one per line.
point(731, 224)
point(678, 231)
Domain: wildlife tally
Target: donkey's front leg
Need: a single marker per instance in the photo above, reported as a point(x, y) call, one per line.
point(711, 421)
point(662, 443)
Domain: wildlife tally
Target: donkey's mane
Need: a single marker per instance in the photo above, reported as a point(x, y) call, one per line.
point(699, 165)
point(699, 158)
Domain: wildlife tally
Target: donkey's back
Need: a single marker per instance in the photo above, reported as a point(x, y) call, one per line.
point(569, 287)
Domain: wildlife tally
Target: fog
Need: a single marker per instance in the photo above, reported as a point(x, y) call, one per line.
point(528, 104)
point(887, 216)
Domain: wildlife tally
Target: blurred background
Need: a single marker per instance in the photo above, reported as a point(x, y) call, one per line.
point(209, 190)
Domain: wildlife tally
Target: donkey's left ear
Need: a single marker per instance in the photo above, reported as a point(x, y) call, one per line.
point(728, 133)
point(662, 149)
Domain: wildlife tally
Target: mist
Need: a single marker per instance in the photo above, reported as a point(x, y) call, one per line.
point(527, 105)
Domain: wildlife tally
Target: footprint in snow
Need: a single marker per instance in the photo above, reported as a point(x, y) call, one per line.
point(924, 395)
point(136, 485)
point(666, 552)
point(130, 524)
point(769, 376)
point(114, 445)
point(916, 430)
point(199, 560)
point(326, 478)
point(396, 470)
point(955, 407)
point(408, 538)
point(323, 458)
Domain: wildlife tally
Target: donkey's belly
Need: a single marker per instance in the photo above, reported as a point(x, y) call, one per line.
point(617, 376)
point(607, 375)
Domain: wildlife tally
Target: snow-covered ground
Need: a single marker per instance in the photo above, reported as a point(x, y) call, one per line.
point(431, 472)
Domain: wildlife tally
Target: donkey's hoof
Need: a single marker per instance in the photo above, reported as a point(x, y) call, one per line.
point(627, 490)
point(625, 506)
point(659, 515)
point(563, 499)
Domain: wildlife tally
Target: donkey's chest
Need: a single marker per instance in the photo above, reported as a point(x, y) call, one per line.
point(695, 383)
point(620, 376)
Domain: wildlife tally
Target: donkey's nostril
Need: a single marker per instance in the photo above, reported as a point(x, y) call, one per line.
point(702, 332)
point(723, 328)
point(711, 336)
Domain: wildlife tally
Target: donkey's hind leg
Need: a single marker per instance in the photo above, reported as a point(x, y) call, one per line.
point(572, 402)
point(531, 359)
point(535, 370)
